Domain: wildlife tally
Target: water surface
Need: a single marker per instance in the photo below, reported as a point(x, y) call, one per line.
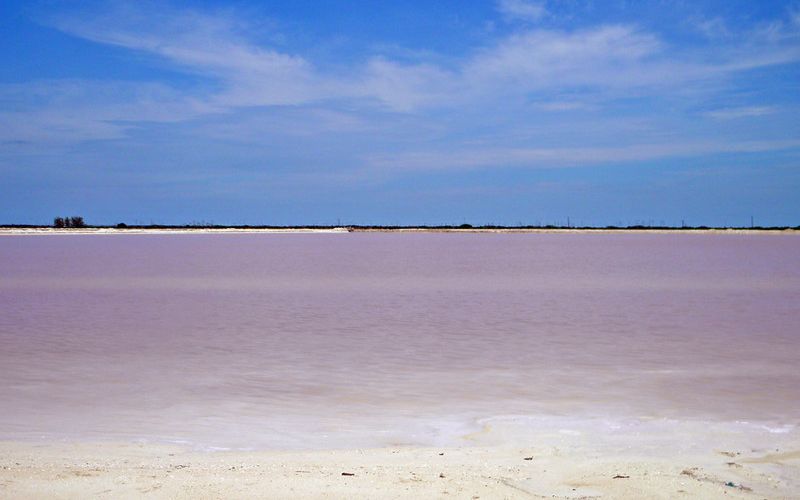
point(315, 340)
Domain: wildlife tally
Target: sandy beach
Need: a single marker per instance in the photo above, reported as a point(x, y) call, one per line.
point(144, 470)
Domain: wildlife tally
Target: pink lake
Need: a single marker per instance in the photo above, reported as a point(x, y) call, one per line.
point(366, 339)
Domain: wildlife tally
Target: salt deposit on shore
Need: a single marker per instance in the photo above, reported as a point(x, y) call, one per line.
point(110, 230)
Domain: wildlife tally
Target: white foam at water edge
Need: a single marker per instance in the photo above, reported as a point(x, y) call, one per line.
point(781, 429)
point(651, 436)
point(601, 434)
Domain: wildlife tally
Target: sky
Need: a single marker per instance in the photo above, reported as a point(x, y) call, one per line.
point(401, 112)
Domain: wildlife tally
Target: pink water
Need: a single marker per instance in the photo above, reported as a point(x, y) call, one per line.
point(315, 340)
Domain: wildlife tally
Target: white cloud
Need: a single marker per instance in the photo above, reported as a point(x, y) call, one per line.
point(601, 57)
point(742, 112)
point(210, 45)
point(795, 17)
point(713, 28)
point(63, 111)
point(525, 10)
point(540, 58)
point(561, 105)
point(256, 76)
point(470, 158)
point(405, 87)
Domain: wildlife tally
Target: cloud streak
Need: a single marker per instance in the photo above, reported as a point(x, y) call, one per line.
point(468, 159)
point(524, 10)
point(742, 112)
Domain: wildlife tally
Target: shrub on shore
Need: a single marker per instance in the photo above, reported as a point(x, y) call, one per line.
point(64, 222)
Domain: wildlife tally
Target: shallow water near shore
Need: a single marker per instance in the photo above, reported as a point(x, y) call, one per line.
point(254, 341)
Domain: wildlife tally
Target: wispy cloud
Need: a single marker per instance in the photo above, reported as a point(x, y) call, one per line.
point(712, 28)
point(540, 58)
point(741, 112)
point(214, 45)
point(600, 57)
point(561, 105)
point(471, 158)
point(526, 10)
point(64, 111)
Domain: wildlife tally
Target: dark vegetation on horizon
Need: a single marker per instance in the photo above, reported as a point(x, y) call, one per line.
point(64, 222)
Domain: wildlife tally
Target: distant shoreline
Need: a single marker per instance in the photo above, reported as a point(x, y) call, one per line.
point(33, 231)
point(21, 230)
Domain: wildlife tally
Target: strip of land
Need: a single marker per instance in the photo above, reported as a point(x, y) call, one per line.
point(161, 230)
point(64, 470)
point(36, 230)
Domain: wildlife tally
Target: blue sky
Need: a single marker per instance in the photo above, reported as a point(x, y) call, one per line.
point(412, 112)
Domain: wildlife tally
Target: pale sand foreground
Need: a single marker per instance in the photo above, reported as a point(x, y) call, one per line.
point(145, 470)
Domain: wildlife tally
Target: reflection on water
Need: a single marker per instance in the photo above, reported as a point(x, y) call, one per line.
point(303, 340)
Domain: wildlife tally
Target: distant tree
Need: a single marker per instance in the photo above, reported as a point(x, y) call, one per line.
point(121, 225)
point(58, 222)
point(76, 221)
point(465, 226)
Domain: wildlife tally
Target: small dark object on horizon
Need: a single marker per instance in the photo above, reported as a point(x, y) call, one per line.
point(528, 458)
point(348, 474)
point(465, 226)
point(121, 225)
